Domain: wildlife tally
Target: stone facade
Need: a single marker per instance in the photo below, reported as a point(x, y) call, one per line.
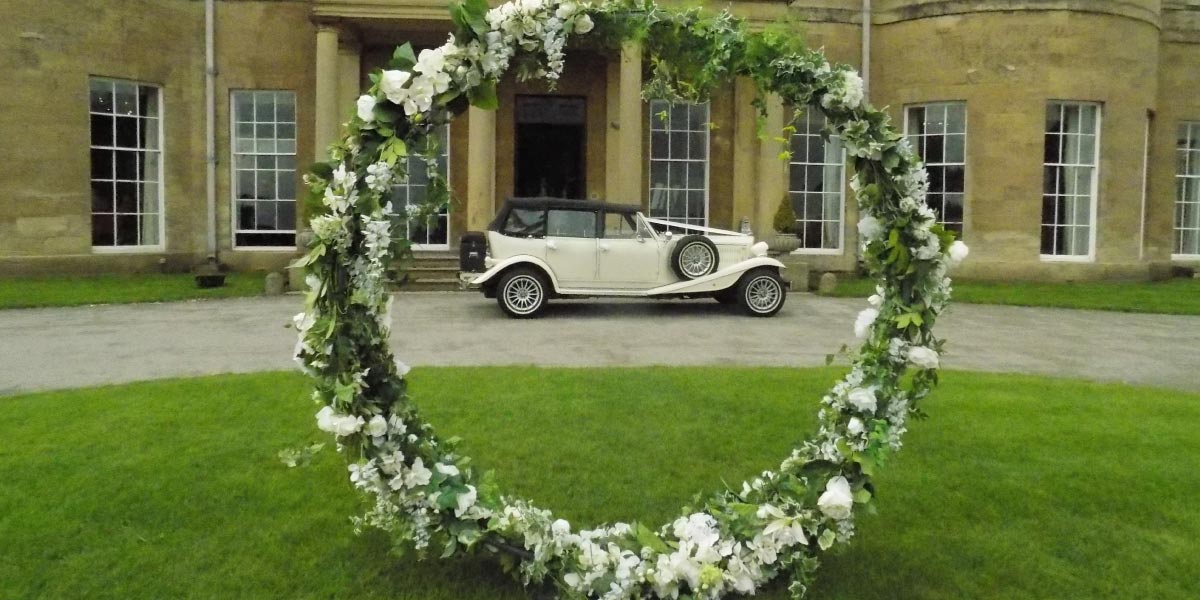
point(1138, 60)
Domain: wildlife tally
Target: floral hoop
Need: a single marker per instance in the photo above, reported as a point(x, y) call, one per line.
point(426, 494)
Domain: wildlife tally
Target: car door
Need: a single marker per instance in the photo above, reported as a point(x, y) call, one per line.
point(627, 257)
point(571, 246)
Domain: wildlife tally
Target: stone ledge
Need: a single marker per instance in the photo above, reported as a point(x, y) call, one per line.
point(943, 8)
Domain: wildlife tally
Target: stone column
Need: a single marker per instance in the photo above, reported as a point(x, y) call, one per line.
point(623, 177)
point(481, 168)
point(325, 127)
point(745, 151)
point(349, 81)
point(771, 183)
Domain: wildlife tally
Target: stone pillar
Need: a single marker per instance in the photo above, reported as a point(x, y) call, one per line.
point(349, 80)
point(771, 182)
point(745, 151)
point(623, 179)
point(325, 127)
point(481, 168)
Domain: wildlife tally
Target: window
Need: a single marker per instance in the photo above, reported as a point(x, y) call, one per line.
point(620, 226)
point(938, 133)
point(815, 182)
point(1187, 202)
point(433, 231)
point(126, 161)
point(1069, 189)
point(525, 222)
point(264, 163)
point(679, 162)
point(571, 223)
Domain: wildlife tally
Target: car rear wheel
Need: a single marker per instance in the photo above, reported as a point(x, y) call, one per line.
point(761, 293)
point(522, 293)
point(694, 256)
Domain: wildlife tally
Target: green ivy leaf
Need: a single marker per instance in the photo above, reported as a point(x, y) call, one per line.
point(403, 59)
point(484, 96)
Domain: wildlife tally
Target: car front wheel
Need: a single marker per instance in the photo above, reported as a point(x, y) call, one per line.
point(522, 293)
point(761, 293)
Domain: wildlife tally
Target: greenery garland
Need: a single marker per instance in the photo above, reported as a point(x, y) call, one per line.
point(427, 495)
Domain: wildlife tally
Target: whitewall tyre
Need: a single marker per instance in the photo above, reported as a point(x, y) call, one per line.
point(522, 293)
point(761, 293)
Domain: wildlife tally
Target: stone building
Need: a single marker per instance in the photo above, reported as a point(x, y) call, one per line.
point(1062, 136)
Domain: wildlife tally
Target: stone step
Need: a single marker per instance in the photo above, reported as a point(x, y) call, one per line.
point(439, 284)
point(443, 263)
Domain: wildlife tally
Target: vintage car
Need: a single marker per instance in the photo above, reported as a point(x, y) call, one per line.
point(542, 248)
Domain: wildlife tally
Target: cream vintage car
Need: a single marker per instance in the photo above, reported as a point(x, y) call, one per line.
point(537, 249)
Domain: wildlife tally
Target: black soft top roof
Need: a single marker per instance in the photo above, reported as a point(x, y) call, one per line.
point(545, 202)
point(549, 202)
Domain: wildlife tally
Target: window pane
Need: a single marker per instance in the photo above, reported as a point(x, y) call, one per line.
point(1070, 158)
point(940, 140)
point(678, 166)
point(125, 98)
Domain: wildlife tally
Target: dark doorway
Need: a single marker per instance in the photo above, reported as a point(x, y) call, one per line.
point(551, 146)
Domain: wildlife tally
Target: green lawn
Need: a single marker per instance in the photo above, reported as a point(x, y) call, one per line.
point(1174, 296)
point(1017, 487)
point(28, 292)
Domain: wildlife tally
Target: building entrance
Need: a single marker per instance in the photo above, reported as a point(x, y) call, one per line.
point(551, 155)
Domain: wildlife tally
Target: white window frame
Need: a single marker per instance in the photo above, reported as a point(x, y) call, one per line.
point(917, 148)
point(400, 210)
point(650, 160)
point(1192, 129)
point(1093, 223)
point(161, 246)
point(234, 230)
point(841, 191)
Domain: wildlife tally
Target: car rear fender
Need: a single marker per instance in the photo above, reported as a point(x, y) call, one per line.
point(720, 280)
point(493, 274)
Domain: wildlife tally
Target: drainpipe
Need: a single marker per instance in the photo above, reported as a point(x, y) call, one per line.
point(210, 135)
point(866, 49)
point(1145, 186)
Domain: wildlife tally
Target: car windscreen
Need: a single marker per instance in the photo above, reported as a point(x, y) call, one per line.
point(525, 222)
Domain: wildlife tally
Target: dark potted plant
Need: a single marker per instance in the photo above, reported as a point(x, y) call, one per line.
point(785, 239)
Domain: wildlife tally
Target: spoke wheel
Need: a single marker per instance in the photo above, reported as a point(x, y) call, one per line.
point(761, 293)
point(694, 256)
point(522, 293)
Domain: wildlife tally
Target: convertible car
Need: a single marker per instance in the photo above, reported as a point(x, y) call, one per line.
point(537, 249)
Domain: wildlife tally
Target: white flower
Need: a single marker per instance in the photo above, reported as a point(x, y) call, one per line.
point(366, 107)
point(447, 470)
point(401, 368)
point(862, 325)
point(560, 528)
point(583, 24)
point(377, 426)
point(855, 426)
point(418, 475)
point(391, 83)
point(340, 425)
point(925, 358)
point(465, 501)
point(430, 61)
point(852, 96)
point(869, 228)
point(958, 252)
point(565, 10)
point(837, 500)
point(699, 527)
point(303, 321)
point(863, 399)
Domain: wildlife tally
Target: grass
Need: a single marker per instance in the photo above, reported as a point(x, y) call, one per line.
point(1018, 487)
point(30, 292)
point(1174, 296)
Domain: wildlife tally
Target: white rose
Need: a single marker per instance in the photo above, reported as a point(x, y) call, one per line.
point(366, 107)
point(430, 62)
point(869, 228)
point(958, 252)
point(560, 528)
point(583, 24)
point(923, 357)
point(325, 419)
point(465, 501)
point(565, 10)
point(837, 500)
point(377, 426)
point(862, 325)
point(349, 425)
point(448, 470)
point(855, 426)
point(863, 399)
point(418, 475)
point(392, 85)
point(401, 368)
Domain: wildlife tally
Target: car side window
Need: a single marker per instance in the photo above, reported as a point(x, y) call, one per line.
point(571, 223)
point(525, 222)
point(619, 226)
